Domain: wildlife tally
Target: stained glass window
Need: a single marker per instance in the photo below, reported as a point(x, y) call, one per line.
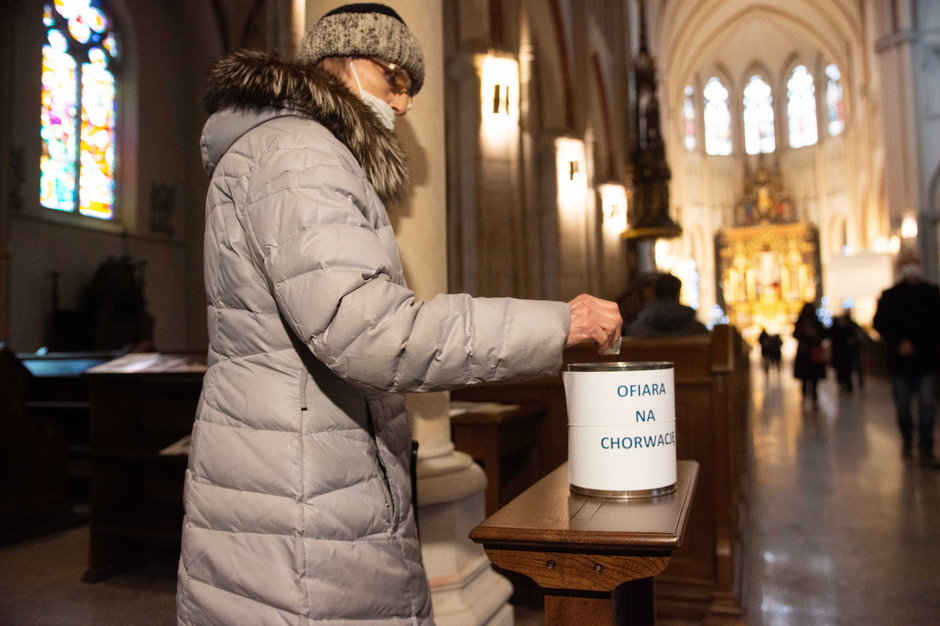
point(717, 118)
point(688, 119)
point(758, 117)
point(801, 108)
point(78, 109)
point(835, 112)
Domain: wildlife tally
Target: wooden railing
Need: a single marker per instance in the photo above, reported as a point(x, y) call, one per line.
point(594, 557)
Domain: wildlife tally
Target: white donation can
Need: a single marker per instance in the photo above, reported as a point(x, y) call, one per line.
point(621, 429)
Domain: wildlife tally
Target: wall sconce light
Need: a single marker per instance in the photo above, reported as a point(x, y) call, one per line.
point(500, 99)
point(499, 93)
point(574, 168)
point(909, 226)
point(614, 207)
point(570, 174)
point(499, 78)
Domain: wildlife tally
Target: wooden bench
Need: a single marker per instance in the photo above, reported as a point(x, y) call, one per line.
point(703, 579)
point(44, 434)
point(142, 411)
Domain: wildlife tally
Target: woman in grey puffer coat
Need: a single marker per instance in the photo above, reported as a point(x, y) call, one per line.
point(298, 492)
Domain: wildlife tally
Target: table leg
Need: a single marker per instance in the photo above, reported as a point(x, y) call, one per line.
point(635, 603)
point(630, 604)
point(578, 607)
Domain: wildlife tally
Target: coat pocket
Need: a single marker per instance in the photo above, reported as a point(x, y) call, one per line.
point(382, 469)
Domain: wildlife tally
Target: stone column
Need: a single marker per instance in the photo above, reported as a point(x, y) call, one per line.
point(464, 587)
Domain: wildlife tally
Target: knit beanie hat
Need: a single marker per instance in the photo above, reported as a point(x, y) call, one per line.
point(365, 30)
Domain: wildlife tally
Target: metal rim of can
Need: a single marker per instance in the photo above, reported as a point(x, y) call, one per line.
point(626, 494)
point(620, 366)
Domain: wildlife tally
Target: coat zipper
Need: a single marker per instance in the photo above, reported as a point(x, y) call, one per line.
point(304, 374)
point(386, 483)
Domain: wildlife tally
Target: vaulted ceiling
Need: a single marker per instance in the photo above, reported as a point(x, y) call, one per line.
point(692, 37)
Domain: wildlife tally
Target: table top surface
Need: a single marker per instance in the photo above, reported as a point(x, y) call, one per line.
point(549, 516)
point(192, 365)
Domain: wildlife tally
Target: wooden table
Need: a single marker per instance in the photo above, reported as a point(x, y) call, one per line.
point(595, 557)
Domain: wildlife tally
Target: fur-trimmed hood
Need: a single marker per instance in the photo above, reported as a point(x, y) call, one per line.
point(248, 88)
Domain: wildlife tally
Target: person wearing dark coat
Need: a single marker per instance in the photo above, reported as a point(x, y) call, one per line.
point(846, 341)
point(809, 365)
point(771, 347)
point(664, 316)
point(908, 320)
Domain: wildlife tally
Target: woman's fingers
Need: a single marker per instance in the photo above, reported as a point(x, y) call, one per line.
point(594, 319)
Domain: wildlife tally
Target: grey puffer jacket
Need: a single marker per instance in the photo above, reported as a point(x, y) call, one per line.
point(297, 493)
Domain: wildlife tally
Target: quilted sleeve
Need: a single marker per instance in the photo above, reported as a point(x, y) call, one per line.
point(330, 275)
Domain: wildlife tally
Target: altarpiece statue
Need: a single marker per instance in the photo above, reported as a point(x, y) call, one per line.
point(768, 261)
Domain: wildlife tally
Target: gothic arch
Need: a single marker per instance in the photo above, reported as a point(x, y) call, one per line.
point(678, 118)
point(734, 104)
point(599, 112)
point(758, 68)
point(847, 84)
point(552, 67)
point(793, 60)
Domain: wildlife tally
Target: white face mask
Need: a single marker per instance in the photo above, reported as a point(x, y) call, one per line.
point(382, 109)
point(912, 271)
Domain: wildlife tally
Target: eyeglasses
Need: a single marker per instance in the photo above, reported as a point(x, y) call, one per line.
point(398, 80)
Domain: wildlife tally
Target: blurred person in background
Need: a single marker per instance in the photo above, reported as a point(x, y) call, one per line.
point(847, 340)
point(908, 320)
point(664, 315)
point(809, 364)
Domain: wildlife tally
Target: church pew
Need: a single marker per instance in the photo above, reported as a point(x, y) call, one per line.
point(43, 441)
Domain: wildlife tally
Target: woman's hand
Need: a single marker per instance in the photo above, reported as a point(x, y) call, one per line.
point(593, 319)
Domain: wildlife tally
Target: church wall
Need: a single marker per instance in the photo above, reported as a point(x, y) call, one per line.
point(158, 147)
point(167, 50)
point(487, 173)
point(509, 234)
point(76, 256)
point(558, 74)
point(928, 84)
point(610, 95)
point(691, 196)
point(724, 178)
point(898, 120)
point(906, 39)
point(800, 176)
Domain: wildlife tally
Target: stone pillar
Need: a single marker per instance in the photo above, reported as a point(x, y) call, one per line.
point(464, 587)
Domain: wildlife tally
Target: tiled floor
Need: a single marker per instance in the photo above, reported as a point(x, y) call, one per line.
point(842, 530)
point(40, 585)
